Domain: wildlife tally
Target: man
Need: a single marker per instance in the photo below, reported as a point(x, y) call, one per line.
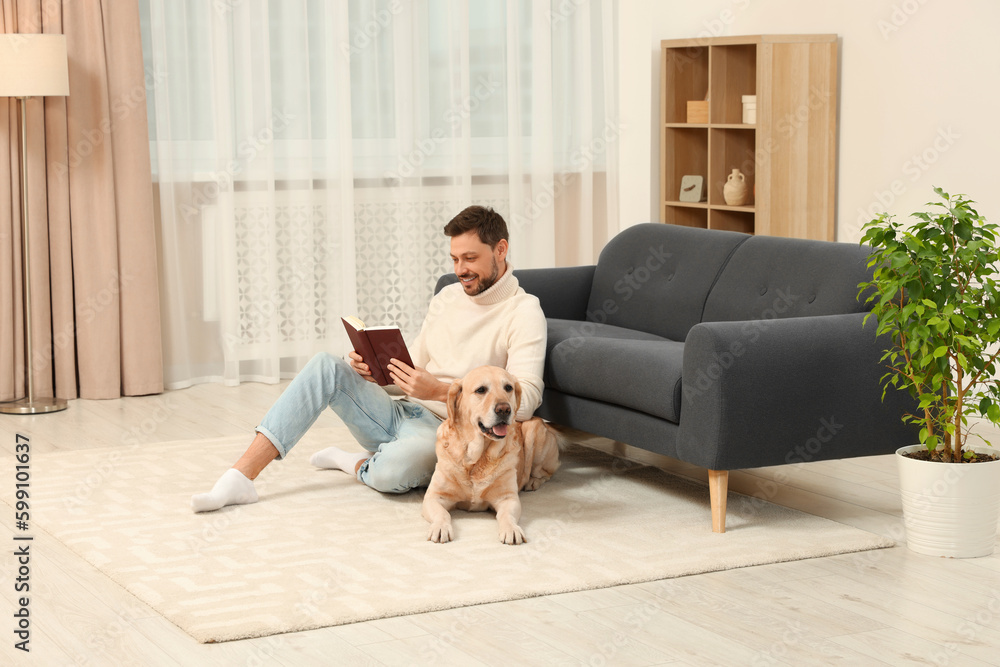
point(484, 319)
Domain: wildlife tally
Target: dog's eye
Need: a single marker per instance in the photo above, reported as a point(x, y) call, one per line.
point(481, 390)
point(508, 388)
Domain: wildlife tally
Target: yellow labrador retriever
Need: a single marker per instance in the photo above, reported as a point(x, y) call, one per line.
point(485, 457)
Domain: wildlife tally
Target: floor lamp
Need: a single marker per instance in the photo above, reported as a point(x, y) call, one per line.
point(31, 65)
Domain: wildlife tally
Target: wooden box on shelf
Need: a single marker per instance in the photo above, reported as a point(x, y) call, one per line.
point(787, 150)
point(697, 111)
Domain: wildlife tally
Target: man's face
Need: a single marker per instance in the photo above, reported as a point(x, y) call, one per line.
point(477, 265)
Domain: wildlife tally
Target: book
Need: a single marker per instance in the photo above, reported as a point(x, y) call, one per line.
point(377, 345)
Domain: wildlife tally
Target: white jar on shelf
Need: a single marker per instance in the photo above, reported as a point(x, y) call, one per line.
point(750, 109)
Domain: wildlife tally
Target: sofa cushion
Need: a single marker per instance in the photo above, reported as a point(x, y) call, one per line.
point(771, 277)
point(655, 278)
point(644, 375)
point(560, 330)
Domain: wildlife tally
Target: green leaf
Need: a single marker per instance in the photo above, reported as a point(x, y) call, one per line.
point(941, 351)
point(942, 364)
point(899, 259)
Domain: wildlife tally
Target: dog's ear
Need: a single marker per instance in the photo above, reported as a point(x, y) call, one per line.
point(517, 396)
point(454, 396)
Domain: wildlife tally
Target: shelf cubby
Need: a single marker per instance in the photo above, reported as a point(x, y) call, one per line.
point(687, 215)
point(731, 149)
point(734, 74)
point(687, 150)
point(732, 219)
point(686, 70)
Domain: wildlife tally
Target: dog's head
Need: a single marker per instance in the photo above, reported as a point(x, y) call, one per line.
point(485, 400)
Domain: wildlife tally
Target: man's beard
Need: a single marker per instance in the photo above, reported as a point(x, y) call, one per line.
point(490, 281)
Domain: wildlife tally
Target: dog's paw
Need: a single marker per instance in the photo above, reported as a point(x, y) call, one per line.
point(534, 482)
point(512, 534)
point(440, 533)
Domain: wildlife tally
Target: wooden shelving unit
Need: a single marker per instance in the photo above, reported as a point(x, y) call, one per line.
point(788, 155)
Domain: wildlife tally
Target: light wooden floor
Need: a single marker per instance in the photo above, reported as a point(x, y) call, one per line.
point(883, 607)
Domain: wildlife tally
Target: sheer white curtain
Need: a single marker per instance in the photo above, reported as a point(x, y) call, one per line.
point(307, 153)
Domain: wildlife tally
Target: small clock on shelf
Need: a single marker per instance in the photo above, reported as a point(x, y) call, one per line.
point(692, 189)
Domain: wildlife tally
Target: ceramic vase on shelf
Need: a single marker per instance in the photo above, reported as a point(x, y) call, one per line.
point(735, 189)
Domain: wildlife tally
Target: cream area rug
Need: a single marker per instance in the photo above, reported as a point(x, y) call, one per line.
point(320, 549)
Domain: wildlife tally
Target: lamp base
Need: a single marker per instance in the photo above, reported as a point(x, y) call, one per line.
point(33, 407)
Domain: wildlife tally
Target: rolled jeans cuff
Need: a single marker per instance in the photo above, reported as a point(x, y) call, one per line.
point(282, 450)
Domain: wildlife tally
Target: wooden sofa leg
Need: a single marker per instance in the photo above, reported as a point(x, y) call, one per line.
point(718, 489)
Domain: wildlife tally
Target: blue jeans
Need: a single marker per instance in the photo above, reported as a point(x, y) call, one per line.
point(400, 434)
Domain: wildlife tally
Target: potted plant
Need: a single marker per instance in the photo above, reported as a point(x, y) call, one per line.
point(935, 293)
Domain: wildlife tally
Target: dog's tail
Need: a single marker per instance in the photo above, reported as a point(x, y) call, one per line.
point(563, 435)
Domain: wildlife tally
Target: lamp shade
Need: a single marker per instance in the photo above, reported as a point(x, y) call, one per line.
point(33, 65)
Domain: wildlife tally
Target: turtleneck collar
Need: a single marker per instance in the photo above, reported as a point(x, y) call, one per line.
point(500, 290)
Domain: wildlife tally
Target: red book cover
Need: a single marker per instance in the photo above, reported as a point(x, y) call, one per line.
point(377, 345)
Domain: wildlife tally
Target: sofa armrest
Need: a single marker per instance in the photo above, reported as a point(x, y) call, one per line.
point(769, 392)
point(563, 292)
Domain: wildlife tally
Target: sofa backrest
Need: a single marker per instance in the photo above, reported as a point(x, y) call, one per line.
point(562, 292)
point(774, 277)
point(656, 278)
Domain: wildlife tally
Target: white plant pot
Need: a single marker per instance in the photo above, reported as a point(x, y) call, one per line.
point(949, 509)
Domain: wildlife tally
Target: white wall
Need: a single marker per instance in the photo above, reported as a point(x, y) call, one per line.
point(919, 96)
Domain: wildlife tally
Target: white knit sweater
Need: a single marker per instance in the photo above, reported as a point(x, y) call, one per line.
point(504, 326)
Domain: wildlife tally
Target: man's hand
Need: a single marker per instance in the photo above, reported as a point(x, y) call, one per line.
point(417, 382)
point(359, 366)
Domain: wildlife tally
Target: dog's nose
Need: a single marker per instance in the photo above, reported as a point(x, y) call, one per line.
point(502, 409)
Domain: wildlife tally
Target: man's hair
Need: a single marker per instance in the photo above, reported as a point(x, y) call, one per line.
point(487, 223)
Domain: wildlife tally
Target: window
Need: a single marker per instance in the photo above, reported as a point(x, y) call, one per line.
point(426, 83)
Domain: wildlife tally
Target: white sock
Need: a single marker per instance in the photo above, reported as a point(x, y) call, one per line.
point(233, 488)
point(337, 459)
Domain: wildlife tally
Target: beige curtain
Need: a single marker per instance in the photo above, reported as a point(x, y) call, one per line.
point(95, 302)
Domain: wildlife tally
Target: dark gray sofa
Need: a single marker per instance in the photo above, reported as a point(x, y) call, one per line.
point(721, 349)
